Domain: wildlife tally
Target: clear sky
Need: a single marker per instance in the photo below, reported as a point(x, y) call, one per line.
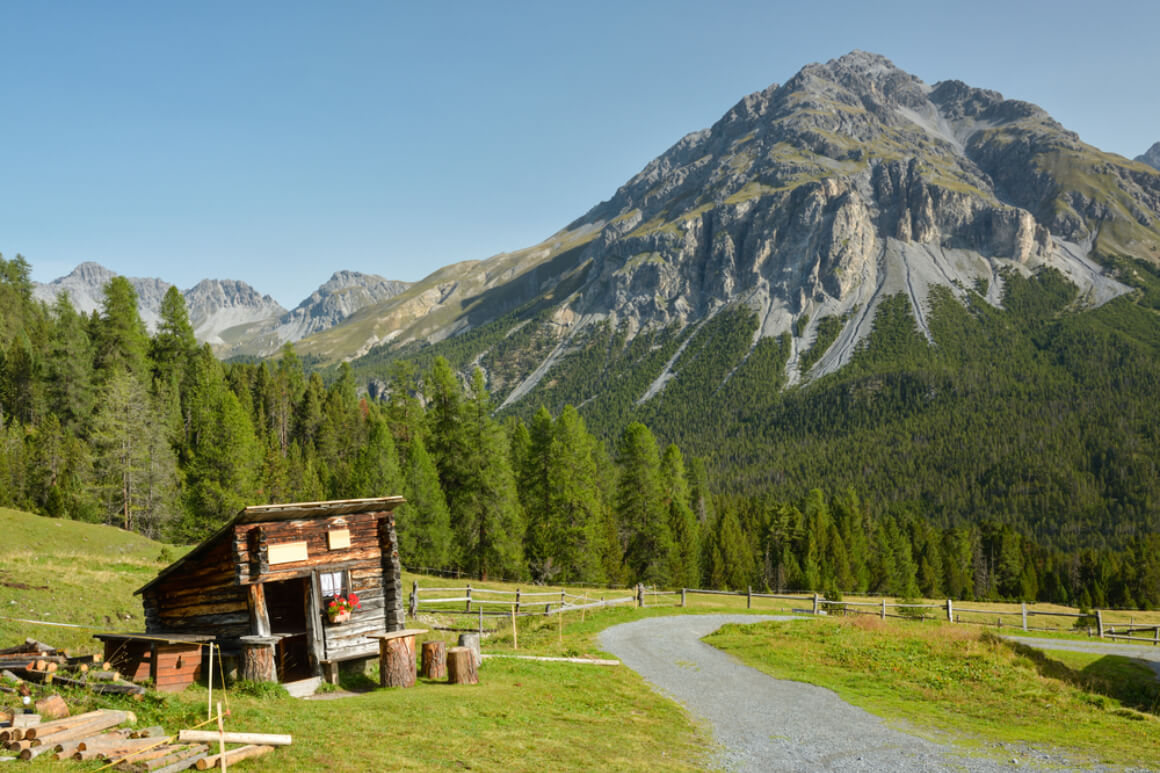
point(277, 142)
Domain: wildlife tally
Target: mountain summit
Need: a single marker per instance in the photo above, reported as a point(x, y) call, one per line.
point(1152, 156)
point(808, 203)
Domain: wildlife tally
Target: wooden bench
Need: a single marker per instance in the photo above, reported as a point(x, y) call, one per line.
point(397, 657)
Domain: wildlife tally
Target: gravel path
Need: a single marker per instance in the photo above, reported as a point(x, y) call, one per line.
point(766, 724)
point(1146, 655)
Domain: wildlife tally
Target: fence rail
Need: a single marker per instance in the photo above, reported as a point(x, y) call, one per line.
point(523, 603)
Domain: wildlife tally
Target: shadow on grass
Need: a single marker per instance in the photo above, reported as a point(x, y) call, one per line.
point(1123, 679)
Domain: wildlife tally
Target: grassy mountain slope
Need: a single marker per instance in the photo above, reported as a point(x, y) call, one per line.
point(62, 571)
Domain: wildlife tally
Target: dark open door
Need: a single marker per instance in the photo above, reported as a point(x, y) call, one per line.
point(287, 603)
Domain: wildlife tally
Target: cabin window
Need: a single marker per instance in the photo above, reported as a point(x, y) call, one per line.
point(333, 584)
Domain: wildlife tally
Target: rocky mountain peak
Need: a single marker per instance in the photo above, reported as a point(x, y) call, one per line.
point(1152, 156)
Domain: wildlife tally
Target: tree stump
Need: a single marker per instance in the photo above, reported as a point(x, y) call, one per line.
point(434, 660)
point(471, 641)
point(397, 662)
point(258, 659)
point(461, 666)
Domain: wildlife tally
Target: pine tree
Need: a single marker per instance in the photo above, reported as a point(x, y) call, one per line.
point(121, 340)
point(135, 468)
point(685, 570)
point(69, 368)
point(174, 343)
point(424, 522)
point(576, 511)
point(640, 509)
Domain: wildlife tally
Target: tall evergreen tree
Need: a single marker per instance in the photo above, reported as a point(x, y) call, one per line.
point(685, 569)
point(648, 541)
point(121, 338)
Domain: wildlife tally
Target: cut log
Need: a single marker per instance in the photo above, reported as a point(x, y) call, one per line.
point(45, 728)
point(434, 660)
point(397, 662)
point(183, 762)
point(160, 757)
point(258, 659)
point(461, 666)
point(471, 641)
point(103, 676)
point(92, 727)
point(211, 736)
point(235, 755)
point(52, 707)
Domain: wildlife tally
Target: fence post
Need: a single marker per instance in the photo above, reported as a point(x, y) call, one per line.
point(1024, 609)
point(950, 611)
point(639, 594)
point(748, 596)
point(685, 589)
point(884, 608)
point(815, 603)
point(468, 597)
point(480, 610)
point(563, 598)
point(517, 599)
point(414, 599)
point(1100, 622)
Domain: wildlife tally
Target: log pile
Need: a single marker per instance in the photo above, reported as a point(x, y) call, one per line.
point(101, 734)
point(39, 663)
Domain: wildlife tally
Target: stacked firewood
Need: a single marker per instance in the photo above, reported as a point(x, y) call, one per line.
point(40, 663)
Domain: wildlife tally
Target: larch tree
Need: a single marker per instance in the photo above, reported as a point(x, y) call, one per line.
point(640, 509)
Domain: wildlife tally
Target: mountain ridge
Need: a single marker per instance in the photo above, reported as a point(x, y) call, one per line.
point(808, 201)
point(229, 314)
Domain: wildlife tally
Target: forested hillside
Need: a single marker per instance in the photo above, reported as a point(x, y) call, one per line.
point(834, 487)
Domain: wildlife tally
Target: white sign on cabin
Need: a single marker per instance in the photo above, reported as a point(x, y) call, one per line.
point(338, 539)
point(286, 552)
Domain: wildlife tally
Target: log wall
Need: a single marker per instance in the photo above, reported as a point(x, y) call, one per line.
point(213, 594)
point(202, 599)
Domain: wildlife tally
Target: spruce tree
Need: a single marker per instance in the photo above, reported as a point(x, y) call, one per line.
point(424, 522)
point(685, 567)
point(640, 508)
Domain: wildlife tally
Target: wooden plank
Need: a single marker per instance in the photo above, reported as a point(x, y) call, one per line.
point(211, 736)
point(287, 553)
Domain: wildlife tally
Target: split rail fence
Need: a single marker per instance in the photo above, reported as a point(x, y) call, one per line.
point(486, 603)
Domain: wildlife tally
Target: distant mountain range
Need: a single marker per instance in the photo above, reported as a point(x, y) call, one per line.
point(230, 314)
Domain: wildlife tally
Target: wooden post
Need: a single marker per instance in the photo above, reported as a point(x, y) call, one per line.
point(461, 667)
point(468, 597)
point(1100, 622)
point(560, 627)
point(883, 609)
point(221, 735)
point(682, 600)
point(749, 597)
point(950, 612)
point(209, 693)
point(414, 598)
point(563, 598)
point(471, 641)
point(1156, 636)
point(515, 631)
point(517, 599)
point(259, 614)
point(816, 604)
point(1023, 606)
point(397, 662)
point(481, 623)
point(639, 595)
point(434, 660)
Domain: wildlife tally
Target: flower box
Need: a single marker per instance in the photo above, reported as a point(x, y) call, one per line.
point(339, 617)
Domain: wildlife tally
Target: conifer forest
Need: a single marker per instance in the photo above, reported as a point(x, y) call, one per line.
point(102, 422)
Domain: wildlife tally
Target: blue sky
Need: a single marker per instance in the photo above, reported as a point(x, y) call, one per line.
point(279, 142)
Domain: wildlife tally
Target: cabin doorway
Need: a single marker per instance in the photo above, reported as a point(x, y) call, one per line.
point(287, 603)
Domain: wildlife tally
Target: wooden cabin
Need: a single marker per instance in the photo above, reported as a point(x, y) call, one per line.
point(265, 579)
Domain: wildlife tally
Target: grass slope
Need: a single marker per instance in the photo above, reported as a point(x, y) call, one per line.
point(977, 689)
point(60, 571)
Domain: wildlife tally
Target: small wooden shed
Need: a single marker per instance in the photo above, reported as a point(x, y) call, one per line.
point(260, 586)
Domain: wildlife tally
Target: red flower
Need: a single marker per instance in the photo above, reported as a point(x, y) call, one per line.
point(352, 600)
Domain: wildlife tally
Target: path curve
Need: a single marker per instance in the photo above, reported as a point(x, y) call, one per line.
point(766, 724)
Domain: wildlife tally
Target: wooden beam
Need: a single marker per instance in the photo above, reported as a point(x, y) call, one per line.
point(259, 614)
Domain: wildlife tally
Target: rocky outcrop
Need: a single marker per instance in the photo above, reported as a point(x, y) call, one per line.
point(342, 295)
point(217, 305)
point(85, 286)
point(1152, 156)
